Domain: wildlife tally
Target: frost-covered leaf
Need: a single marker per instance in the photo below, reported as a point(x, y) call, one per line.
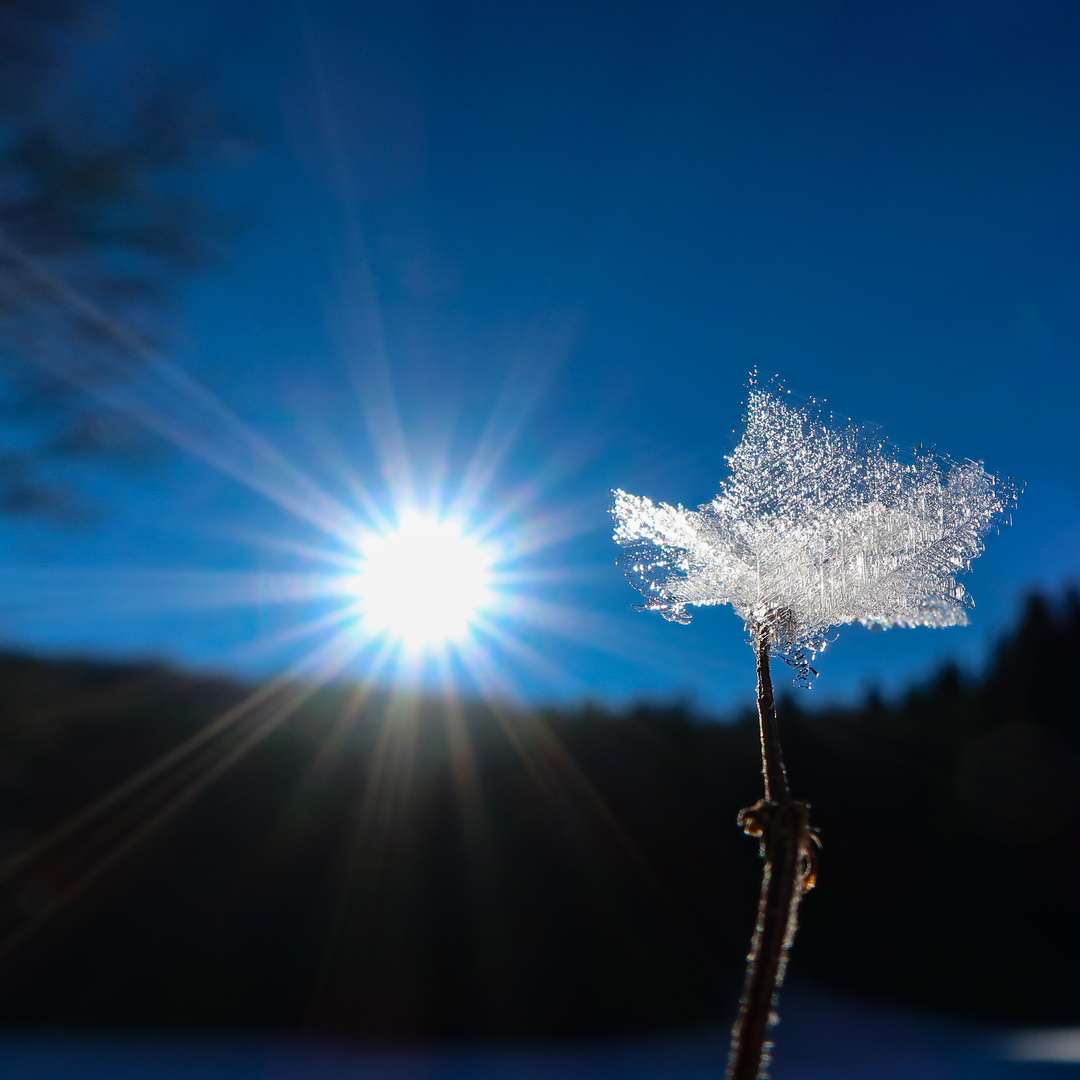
point(816, 526)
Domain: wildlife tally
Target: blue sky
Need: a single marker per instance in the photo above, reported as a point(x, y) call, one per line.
point(553, 239)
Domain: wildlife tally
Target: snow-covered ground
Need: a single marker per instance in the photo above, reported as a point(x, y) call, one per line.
point(821, 1038)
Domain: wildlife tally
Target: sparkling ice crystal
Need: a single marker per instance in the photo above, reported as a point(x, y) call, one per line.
point(816, 526)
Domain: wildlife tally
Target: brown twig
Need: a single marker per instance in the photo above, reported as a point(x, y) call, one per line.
point(772, 760)
point(787, 846)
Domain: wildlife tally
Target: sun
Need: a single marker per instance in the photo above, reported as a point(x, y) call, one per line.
point(424, 583)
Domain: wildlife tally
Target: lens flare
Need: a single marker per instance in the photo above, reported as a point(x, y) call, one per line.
point(424, 583)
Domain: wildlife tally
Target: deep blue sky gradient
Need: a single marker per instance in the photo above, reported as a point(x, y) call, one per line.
point(570, 230)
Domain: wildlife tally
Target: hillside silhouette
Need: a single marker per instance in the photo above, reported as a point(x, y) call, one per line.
point(362, 865)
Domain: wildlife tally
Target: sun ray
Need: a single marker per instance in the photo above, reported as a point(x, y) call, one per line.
point(488, 915)
point(341, 558)
point(296, 631)
point(372, 853)
point(555, 772)
point(601, 633)
point(131, 590)
point(358, 322)
point(537, 662)
point(281, 698)
point(149, 389)
point(518, 399)
point(298, 675)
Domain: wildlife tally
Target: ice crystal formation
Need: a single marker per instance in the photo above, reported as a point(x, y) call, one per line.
point(817, 525)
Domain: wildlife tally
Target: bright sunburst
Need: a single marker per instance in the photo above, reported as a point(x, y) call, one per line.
point(419, 571)
point(423, 583)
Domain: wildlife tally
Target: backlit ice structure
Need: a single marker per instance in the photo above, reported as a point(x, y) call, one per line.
point(816, 526)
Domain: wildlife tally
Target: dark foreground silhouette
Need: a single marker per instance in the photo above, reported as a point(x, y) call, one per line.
point(400, 868)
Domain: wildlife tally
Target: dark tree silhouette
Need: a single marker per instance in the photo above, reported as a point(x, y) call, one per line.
point(385, 866)
point(103, 212)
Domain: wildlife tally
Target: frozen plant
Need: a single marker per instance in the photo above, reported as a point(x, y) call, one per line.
point(817, 525)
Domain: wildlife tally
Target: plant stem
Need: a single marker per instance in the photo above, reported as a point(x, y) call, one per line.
point(783, 826)
point(772, 761)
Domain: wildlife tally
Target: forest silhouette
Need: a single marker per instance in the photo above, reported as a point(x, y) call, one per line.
point(395, 867)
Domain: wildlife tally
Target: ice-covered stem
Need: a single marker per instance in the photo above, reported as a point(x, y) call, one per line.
point(782, 824)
